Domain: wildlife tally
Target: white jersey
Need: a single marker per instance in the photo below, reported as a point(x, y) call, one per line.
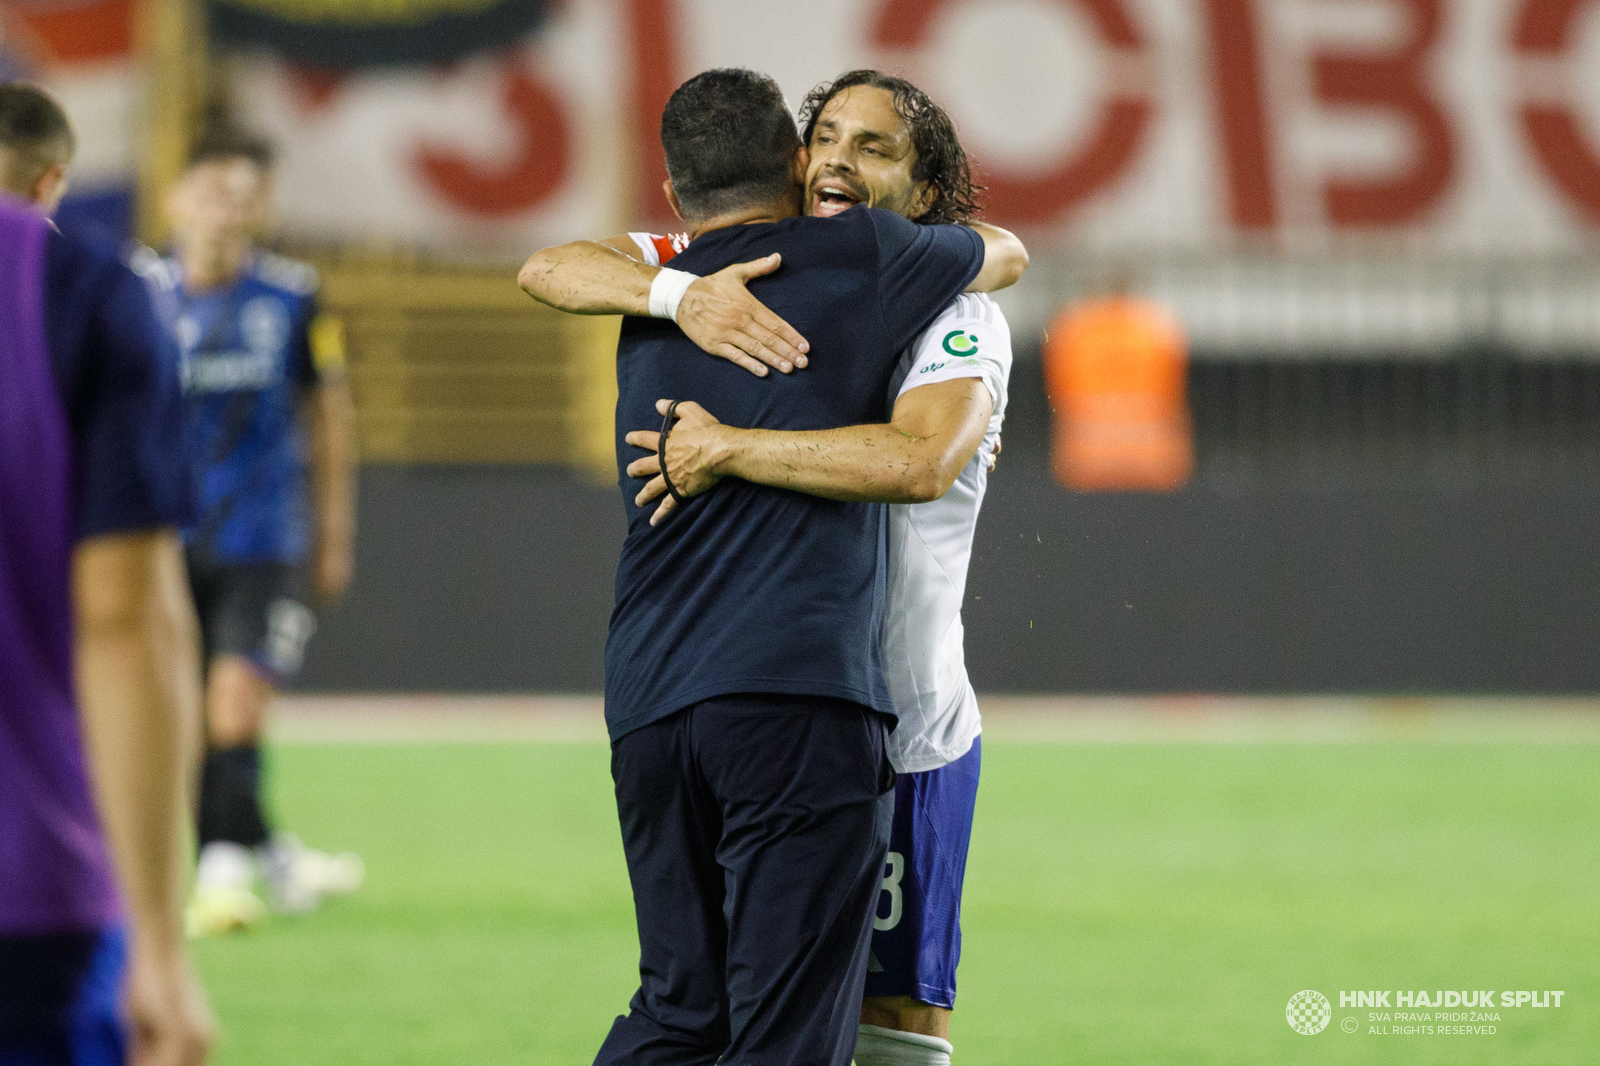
point(930, 545)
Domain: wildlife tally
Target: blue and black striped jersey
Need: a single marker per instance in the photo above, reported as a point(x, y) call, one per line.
point(247, 355)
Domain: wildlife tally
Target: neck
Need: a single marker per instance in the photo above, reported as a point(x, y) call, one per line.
point(211, 267)
point(788, 207)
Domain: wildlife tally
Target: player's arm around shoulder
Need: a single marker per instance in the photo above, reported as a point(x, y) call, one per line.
point(914, 458)
point(627, 275)
point(955, 381)
point(1005, 259)
point(590, 277)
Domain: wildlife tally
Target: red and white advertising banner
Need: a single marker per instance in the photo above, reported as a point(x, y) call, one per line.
point(1442, 126)
point(82, 52)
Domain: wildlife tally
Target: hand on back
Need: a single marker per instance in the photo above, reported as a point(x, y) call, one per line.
point(694, 447)
point(719, 314)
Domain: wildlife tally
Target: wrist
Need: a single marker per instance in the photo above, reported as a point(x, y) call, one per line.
point(727, 449)
point(667, 290)
point(158, 939)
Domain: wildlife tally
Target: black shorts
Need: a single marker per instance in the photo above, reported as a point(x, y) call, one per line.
point(254, 610)
point(60, 999)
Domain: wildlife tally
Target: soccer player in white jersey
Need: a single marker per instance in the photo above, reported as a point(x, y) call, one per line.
point(878, 140)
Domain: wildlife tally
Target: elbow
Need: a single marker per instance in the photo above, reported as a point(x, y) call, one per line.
point(527, 277)
point(930, 485)
point(1013, 262)
point(126, 585)
point(535, 277)
point(117, 611)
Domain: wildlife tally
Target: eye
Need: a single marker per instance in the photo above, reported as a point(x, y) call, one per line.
point(869, 150)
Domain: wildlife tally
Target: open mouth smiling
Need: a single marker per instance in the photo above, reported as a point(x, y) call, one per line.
point(833, 197)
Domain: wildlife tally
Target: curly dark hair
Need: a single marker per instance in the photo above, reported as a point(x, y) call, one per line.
point(941, 161)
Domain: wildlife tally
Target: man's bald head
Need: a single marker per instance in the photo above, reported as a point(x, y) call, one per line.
point(36, 145)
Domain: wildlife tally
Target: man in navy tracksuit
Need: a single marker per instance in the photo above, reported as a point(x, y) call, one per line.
point(744, 684)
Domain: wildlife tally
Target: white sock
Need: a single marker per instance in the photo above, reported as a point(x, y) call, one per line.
point(226, 865)
point(877, 1046)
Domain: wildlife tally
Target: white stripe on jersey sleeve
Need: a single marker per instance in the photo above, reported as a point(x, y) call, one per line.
point(969, 339)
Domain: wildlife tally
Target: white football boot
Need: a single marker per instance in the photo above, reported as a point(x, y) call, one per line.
point(224, 897)
point(299, 878)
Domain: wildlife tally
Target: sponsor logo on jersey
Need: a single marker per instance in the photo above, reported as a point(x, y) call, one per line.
point(264, 328)
point(959, 342)
point(229, 371)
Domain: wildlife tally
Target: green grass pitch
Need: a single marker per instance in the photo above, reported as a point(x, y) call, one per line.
point(1125, 904)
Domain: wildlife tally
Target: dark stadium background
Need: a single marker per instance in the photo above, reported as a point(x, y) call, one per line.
point(1391, 550)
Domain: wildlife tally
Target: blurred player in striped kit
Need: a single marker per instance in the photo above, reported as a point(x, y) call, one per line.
point(99, 685)
point(878, 140)
point(263, 373)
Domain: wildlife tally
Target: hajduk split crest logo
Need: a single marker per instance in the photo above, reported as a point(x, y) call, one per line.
point(1309, 1012)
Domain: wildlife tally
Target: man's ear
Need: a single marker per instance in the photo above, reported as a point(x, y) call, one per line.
point(924, 199)
point(50, 187)
point(802, 163)
point(672, 198)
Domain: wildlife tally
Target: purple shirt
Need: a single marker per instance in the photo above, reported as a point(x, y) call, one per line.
point(91, 442)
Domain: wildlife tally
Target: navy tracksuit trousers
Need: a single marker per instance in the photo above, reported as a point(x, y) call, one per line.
point(755, 828)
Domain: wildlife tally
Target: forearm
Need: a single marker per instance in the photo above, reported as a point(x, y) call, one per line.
point(333, 463)
point(138, 674)
point(588, 278)
point(873, 463)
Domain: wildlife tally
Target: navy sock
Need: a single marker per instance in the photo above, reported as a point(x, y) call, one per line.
point(230, 797)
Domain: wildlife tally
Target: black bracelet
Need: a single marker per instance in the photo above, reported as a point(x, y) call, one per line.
point(661, 451)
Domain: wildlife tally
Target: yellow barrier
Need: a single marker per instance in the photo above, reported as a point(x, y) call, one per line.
point(457, 365)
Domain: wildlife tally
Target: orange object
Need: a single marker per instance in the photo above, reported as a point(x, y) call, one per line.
point(1116, 373)
point(78, 33)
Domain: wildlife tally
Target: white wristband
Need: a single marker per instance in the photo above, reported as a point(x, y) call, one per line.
point(666, 292)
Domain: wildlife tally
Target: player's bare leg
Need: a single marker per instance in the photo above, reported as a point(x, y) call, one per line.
point(232, 826)
point(236, 702)
point(916, 938)
point(237, 842)
point(901, 1031)
point(906, 1015)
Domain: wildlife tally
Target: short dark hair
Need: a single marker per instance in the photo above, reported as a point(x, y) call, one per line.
point(941, 161)
point(36, 133)
point(225, 144)
point(730, 142)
